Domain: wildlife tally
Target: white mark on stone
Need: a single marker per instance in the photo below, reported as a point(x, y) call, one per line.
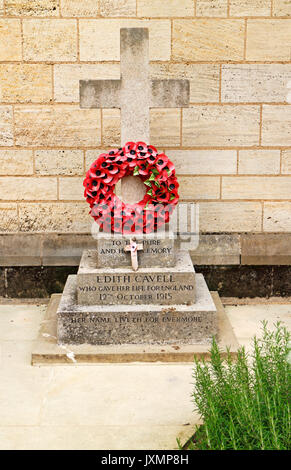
point(70, 354)
point(46, 335)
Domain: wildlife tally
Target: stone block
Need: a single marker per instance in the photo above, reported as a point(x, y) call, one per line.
point(8, 217)
point(57, 126)
point(132, 324)
point(155, 285)
point(250, 83)
point(230, 216)
point(79, 9)
point(276, 125)
point(157, 251)
point(20, 249)
point(110, 8)
point(25, 83)
point(221, 126)
point(54, 217)
point(281, 8)
point(71, 188)
point(50, 40)
point(208, 8)
point(199, 187)
point(217, 250)
point(20, 188)
point(286, 162)
point(214, 39)
point(259, 46)
point(277, 217)
point(259, 162)
point(16, 162)
point(266, 249)
point(165, 127)
point(250, 8)
point(256, 187)
point(204, 162)
point(6, 126)
point(65, 249)
point(10, 39)
point(59, 162)
point(160, 8)
point(35, 8)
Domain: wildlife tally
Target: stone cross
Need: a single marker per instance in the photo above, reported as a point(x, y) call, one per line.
point(133, 247)
point(134, 93)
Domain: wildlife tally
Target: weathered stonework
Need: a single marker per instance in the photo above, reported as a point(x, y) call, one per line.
point(157, 251)
point(51, 40)
point(59, 162)
point(25, 83)
point(226, 126)
point(57, 126)
point(259, 162)
point(6, 125)
point(132, 324)
point(149, 285)
point(16, 162)
point(208, 8)
point(10, 39)
point(258, 45)
point(213, 39)
point(35, 8)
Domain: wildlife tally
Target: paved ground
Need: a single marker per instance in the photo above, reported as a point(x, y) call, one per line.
point(136, 406)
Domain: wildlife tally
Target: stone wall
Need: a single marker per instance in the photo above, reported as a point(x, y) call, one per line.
point(231, 147)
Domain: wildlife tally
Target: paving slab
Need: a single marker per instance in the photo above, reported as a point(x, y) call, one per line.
point(93, 437)
point(247, 319)
point(123, 395)
point(20, 322)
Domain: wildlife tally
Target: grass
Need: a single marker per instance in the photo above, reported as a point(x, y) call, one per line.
point(245, 403)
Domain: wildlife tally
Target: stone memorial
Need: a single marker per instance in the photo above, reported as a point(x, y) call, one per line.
point(133, 297)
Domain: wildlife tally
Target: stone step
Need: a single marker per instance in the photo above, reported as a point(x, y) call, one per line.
point(158, 250)
point(155, 285)
point(136, 324)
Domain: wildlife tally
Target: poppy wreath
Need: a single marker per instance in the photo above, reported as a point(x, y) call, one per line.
point(158, 175)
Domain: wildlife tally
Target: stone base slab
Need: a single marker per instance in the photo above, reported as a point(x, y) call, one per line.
point(136, 324)
point(123, 286)
point(46, 351)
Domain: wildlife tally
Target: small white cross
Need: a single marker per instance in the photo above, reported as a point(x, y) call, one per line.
point(134, 247)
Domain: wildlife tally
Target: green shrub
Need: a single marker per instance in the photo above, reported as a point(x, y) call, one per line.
point(245, 403)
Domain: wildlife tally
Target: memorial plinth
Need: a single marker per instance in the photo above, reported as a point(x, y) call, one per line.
point(149, 285)
point(153, 305)
point(136, 324)
point(169, 331)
